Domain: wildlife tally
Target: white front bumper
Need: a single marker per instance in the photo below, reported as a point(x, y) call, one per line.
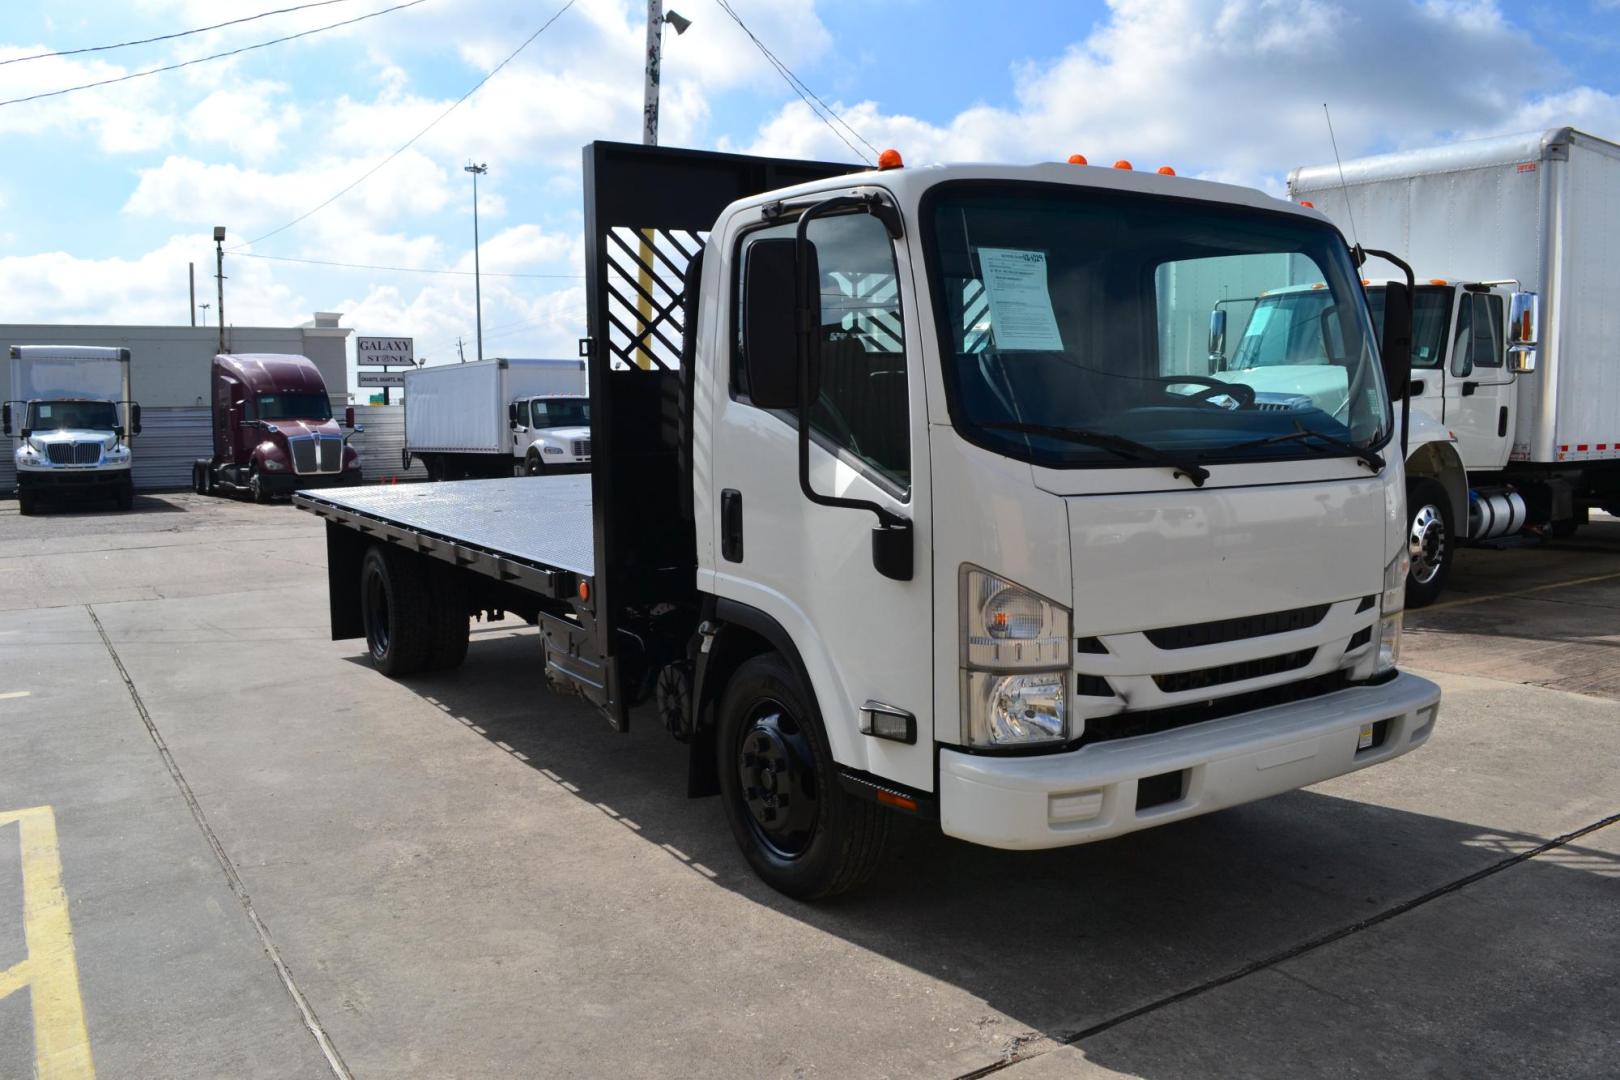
point(1090, 794)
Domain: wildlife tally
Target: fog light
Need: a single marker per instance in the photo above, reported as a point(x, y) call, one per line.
point(1074, 806)
point(887, 722)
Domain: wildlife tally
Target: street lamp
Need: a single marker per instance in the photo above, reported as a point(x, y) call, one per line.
point(478, 290)
point(219, 275)
point(656, 18)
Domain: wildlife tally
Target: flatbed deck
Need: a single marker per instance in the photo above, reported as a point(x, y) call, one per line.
point(541, 523)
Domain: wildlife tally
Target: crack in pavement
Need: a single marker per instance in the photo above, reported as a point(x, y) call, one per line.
point(232, 878)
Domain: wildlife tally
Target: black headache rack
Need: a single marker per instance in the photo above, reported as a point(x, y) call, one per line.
point(648, 210)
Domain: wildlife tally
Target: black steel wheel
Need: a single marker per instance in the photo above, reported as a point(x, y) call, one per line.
point(256, 488)
point(394, 606)
point(532, 465)
point(800, 831)
point(1431, 542)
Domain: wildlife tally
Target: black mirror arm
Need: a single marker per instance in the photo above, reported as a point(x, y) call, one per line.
point(1361, 254)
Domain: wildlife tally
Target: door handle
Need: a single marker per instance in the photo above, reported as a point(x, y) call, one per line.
point(1469, 388)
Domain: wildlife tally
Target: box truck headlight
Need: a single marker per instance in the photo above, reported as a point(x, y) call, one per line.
point(1391, 604)
point(551, 450)
point(1015, 662)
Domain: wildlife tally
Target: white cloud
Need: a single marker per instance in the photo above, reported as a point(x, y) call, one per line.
point(245, 119)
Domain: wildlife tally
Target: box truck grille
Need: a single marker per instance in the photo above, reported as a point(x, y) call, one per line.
point(316, 453)
point(582, 448)
point(1194, 635)
point(74, 453)
point(1181, 681)
point(1152, 721)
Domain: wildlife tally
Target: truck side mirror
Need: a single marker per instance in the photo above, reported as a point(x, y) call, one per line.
point(1524, 320)
point(511, 413)
point(5, 418)
point(1521, 359)
point(1217, 339)
point(348, 416)
point(770, 334)
point(134, 418)
point(1395, 350)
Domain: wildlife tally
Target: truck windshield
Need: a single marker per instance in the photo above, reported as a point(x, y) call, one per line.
point(61, 415)
point(1077, 310)
point(561, 412)
point(294, 405)
point(1431, 316)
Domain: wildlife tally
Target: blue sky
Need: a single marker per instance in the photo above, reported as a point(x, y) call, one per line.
point(108, 193)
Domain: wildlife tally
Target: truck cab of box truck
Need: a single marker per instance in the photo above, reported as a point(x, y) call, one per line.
point(73, 419)
point(551, 433)
point(273, 429)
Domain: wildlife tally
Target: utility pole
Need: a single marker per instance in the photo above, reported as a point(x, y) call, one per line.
point(219, 274)
point(478, 291)
point(656, 18)
point(191, 272)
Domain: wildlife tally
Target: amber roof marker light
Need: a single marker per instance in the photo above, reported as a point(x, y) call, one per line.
point(1078, 159)
point(890, 159)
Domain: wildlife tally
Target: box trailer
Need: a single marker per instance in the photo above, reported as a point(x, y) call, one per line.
point(484, 418)
point(1516, 349)
point(71, 411)
point(901, 504)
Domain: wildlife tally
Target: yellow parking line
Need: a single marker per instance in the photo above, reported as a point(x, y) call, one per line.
point(1520, 592)
point(51, 972)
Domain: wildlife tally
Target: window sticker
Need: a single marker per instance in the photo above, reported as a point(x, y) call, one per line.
point(1021, 316)
point(44, 412)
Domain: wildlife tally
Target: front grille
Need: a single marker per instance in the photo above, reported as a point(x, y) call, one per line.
point(316, 453)
point(1152, 721)
point(582, 448)
point(1093, 686)
point(1194, 635)
point(73, 453)
point(1202, 678)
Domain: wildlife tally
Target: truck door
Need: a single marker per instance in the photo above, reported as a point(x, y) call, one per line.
point(520, 429)
point(863, 637)
point(1479, 388)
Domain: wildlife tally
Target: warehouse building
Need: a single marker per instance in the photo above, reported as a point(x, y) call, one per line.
point(168, 375)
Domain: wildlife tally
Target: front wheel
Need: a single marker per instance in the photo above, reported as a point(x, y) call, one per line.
point(1430, 542)
point(256, 486)
point(26, 501)
point(125, 494)
point(532, 465)
point(796, 826)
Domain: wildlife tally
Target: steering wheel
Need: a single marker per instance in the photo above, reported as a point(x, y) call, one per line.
point(1242, 393)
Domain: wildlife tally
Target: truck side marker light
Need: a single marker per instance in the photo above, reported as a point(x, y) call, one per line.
point(1078, 159)
point(890, 159)
point(1165, 170)
point(584, 590)
point(1437, 281)
point(1122, 164)
point(1307, 202)
point(889, 798)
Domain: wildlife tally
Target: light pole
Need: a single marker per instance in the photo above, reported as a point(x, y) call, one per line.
point(219, 275)
point(656, 18)
point(478, 289)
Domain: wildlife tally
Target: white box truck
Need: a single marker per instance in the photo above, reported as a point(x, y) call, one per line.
point(484, 418)
point(904, 502)
point(1516, 349)
point(72, 415)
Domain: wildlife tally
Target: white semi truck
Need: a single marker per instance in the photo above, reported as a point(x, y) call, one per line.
point(72, 415)
point(484, 418)
point(905, 502)
point(1516, 346)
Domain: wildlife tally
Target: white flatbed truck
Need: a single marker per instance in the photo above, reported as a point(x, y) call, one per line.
point(903, 503)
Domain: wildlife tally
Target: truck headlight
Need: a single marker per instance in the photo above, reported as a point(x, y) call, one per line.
point(1015, 662)
point(1390, 607)
point(274, 465)
point(551, 449)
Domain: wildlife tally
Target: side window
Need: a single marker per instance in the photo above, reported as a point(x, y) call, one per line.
point(1462, 352)
point(1487, 331)
point(537, 413)
point(862, 406)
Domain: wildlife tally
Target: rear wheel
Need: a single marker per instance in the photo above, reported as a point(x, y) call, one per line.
point(796, 826)
point(451, 623)
point(1431, 540)
point(395, 605)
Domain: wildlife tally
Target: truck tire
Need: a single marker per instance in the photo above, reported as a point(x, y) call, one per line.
point(533, 465)
point(798, 828)
point(27, 501)
point(256, 489)
point(1431, 540)
point(395, 606)
point(125, 493)
point(451, 623)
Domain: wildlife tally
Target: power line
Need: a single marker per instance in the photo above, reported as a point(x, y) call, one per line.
point(171, 37)
point(215, 56)
point(363, 177)
point(825, 113)
point(401, 269)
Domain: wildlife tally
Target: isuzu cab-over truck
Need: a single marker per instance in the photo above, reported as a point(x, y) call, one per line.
point(902, 502)
point(71, 412)
point(1516, 333)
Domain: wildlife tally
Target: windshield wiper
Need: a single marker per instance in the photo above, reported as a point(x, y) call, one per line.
point(1368, 457)
point(1118, 444)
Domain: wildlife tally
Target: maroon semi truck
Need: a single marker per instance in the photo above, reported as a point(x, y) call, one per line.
point(274, 432)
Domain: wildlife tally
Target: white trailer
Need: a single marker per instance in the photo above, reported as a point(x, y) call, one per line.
point(1529, 422)
point(904, 504)
point(481, 419)
point(71, 411)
